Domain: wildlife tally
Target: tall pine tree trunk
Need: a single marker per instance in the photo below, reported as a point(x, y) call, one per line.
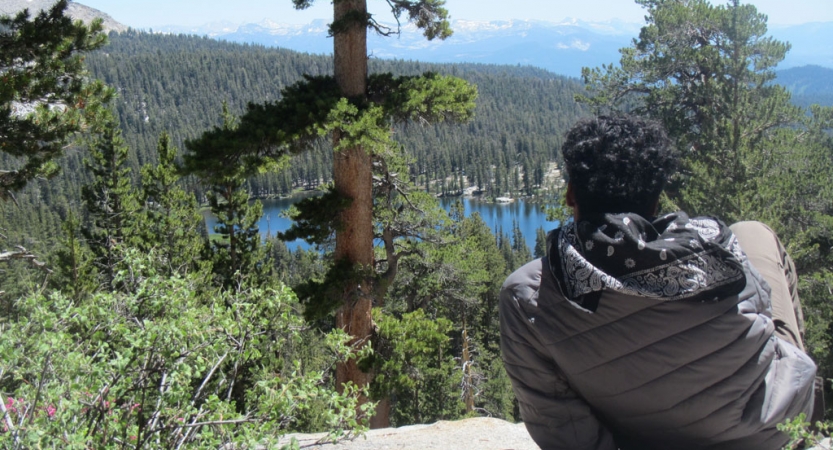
point(353, 179)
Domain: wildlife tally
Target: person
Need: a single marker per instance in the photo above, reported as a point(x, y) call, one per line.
point(645, 332)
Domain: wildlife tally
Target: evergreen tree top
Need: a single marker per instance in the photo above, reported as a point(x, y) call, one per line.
point(428, 15)
point(46, 95)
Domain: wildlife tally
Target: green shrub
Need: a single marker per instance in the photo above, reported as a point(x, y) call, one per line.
point(803, 434)
point(166, 365)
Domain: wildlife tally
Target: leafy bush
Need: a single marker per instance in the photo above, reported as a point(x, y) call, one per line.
point(167, 364)
point(802, 434)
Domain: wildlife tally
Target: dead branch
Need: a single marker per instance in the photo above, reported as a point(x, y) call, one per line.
point(24, 255)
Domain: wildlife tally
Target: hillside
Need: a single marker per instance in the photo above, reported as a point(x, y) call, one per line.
point(808, 84)
point(177, 83)
point(75, 10)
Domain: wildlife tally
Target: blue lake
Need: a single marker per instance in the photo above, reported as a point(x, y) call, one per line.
point(497, 216)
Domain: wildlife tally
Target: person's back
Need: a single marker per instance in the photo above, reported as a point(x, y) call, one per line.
point(640, 333)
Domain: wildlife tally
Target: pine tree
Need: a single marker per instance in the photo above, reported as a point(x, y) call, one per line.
point(415, 365)
point(75, 274)
point(519, 247)
point(357, 112)
point(404, 217)
point(480, 261)
point(540, 242)
point(352, 171)
point(799, 197)
point(169, 220)
point(504, 243)
point(42, 59)
point(108, 199)
point(236, 249)
point(710, 83)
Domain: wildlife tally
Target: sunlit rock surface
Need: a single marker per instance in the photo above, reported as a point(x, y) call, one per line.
point(75, 10)
point(468, 434)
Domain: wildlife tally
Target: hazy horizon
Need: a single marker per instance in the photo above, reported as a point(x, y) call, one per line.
point(146, 14)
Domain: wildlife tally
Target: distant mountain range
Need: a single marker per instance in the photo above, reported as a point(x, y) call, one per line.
point(808, 84)
point(560, 47)
point(563, 47)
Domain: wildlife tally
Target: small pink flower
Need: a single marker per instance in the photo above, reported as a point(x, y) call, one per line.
point(50, 411)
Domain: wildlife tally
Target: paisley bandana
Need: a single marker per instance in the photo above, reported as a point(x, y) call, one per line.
point(672, 258)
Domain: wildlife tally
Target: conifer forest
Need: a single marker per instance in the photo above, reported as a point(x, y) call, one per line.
point(126, 323)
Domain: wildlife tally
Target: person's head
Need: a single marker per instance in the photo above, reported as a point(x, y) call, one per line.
point(617, 164)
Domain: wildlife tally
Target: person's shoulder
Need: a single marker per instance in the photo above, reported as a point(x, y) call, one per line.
point(523, 284)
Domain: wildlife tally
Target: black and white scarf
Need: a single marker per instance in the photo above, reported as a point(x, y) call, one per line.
point(672, 258)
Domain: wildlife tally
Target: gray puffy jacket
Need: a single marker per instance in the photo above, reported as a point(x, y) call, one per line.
point(638, 373)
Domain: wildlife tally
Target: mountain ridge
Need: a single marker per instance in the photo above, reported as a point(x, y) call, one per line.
point(512, 41)
point(563, 47)
point(810, 84)
point(75, 10)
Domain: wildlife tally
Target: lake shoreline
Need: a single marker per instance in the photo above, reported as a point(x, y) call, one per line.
point(501, 218)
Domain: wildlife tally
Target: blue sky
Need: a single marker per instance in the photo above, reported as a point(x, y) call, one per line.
point(145, 14)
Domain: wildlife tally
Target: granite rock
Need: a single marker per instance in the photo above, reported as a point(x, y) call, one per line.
point(469, 434)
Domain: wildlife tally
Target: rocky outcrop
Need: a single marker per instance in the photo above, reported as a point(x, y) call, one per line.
point(469, 434)
point(75, 10)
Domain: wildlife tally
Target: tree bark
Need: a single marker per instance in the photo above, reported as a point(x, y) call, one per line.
point(353, 178)
point(350, 49)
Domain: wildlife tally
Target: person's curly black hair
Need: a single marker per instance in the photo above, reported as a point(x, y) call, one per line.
point(618, 164)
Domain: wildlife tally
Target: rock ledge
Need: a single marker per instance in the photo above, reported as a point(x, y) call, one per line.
point(477, 433)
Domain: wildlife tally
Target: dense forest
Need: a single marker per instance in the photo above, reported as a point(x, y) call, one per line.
point(808, 85)
point(177, 84)
point(127, 324)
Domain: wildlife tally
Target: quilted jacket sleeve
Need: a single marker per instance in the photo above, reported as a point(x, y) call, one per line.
point(555, 416)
